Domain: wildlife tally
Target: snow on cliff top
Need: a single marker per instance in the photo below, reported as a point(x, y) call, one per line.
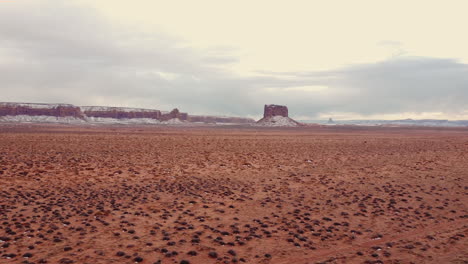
point(35, 105)
point(110, 108)
point(83, 108)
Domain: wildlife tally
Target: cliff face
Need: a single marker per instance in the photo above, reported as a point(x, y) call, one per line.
point(56, 110)
point(129, 113)
point(103, 114)
point(275, 110)
point(122, 115)
point(175, 113)
point(120, 112)
point(219, 119)
point(276, 116)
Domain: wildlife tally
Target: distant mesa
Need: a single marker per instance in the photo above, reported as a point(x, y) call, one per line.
point(67, 113)
point(119, 114)
point(275, 110)
point(273, 116)
point(276, 116)
point(57, 110)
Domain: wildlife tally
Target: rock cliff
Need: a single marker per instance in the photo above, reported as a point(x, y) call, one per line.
point(27, 109)
point(175, 113)
point(276, 116)
point(120, 112)
point(67, 113)
point(275, 110)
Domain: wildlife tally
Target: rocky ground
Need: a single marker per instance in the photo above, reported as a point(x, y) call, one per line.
point(237, 195)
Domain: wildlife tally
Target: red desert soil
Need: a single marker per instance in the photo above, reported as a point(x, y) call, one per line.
point(233, 195)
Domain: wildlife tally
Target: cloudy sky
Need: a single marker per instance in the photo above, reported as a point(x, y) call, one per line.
point(341, 59)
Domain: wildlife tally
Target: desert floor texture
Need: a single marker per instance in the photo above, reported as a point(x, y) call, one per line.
point(233, 195)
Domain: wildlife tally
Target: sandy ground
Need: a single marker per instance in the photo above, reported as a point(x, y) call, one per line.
point(233, 195)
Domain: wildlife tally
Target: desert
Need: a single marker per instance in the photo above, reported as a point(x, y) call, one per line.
point(232, 194)
point(232, 132)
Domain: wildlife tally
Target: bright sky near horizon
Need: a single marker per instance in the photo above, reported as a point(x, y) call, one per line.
point(340, 59)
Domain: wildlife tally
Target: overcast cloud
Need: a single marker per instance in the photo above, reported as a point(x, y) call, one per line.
point(59, 52)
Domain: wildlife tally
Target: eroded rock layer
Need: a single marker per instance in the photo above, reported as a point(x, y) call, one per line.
point(67, 113)
point(57, 110)
point(275, 110)
point(120, 112)
point(276, 116)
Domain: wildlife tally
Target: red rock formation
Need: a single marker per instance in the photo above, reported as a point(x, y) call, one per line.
point(175, 113)
point(183, 116)
point(57, 110)
point(276, 116)
point(120, 113)
point(275, 110)
point(68, 110)
point(219, 119)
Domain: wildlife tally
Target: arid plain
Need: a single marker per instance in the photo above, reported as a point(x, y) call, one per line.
point(233, 195)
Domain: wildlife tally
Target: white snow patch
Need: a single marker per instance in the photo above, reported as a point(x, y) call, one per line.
point(41, 119)
point(173, 121)
point(110, 109)
point(89, 120)
point(122, 121)
point(277, 121)
point(35, 105)
point(133, 121)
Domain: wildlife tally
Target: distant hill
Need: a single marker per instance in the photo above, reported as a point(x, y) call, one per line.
point(403, 122)
point(71, 114)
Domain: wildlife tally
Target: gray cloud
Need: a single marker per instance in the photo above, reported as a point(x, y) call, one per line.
point(402, 84)
point(59, 52)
